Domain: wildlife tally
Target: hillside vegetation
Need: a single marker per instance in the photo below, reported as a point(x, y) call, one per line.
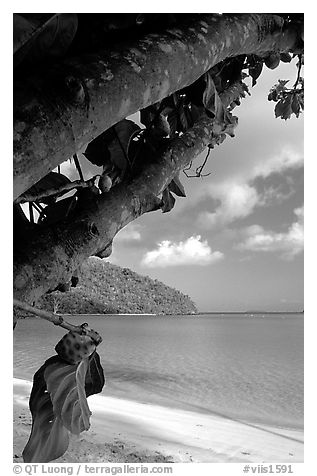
point(104, 288)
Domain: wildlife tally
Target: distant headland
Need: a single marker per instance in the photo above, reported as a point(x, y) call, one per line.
point(104, 288)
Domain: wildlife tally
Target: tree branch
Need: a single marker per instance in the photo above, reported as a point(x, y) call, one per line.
point(50, 255)
point(54, 121)
point(58, 320)
point(56, 191)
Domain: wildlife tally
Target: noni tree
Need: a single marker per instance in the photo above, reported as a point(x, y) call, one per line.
point(77, 80)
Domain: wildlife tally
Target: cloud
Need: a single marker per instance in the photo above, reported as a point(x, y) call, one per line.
point(236, 201)
point(192, 251)
point(278, 163)
point(289, 243)
point(238, 197)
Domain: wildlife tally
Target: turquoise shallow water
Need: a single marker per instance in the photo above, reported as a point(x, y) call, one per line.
point(242, 367)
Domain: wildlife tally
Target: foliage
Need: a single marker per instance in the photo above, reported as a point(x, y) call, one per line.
point(288, 100)
point(60, 387)
point(104, 288)
point(123, 149)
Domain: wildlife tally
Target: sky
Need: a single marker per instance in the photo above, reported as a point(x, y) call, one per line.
point(235, 243)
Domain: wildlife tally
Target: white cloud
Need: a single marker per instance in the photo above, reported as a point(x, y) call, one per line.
point(289, 243)
point(278, 163)
point(192, 251)
point(236, 201)
point(238, 196)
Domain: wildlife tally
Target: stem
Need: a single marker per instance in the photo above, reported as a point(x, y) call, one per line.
point(56, 191)
point(58, 320)
point(31, 213)
point(299, 70)
point(201, 167)
point(78, 167)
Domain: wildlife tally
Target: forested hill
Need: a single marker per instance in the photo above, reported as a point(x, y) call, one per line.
point(105, 288)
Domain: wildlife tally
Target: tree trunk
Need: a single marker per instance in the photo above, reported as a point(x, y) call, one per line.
point(50, 255)
point(57, 112)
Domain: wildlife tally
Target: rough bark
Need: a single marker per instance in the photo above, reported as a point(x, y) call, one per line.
point(58, 111)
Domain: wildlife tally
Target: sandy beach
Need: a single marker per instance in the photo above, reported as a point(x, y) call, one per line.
point(128, 431)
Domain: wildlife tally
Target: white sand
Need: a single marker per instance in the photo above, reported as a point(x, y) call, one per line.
point(186, 435)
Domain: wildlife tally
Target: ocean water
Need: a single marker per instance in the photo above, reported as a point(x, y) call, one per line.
point(236, 366)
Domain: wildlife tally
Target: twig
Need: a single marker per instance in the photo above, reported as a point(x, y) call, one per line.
point(55, 191)
point(299, 67)
point(201, 167)
point(76, 160)
point(31, 213)
point(58, 320)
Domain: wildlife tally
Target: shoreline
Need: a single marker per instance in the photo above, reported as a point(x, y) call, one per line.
point(130, 431)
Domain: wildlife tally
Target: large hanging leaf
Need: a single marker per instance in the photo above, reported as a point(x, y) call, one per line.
point(58, 405)
point(112, 146)
point(49, 438)
point(65, 384)
point(124, 131)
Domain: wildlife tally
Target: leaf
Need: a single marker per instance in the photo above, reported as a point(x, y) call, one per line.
point(296, 108)
point(173, 121)
point(95, 379)
point(97, 150)
point(301, 99)
point(281, 85)
point(231, 124)
point(58, 404)
point(118, 148)
point(220, 138)
point(161, 126)
point(283, 108)
point(51, 180)
point(272, 96)
point(148, 114)
point(177, 187)
point(220, 113)
point(49, 438)
point(255, 68)
point(209, 94)
point(195, 113)
point(183, 118)
point(65, 384)
point(112, 146)
point(212, 101)
point(168, 201)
